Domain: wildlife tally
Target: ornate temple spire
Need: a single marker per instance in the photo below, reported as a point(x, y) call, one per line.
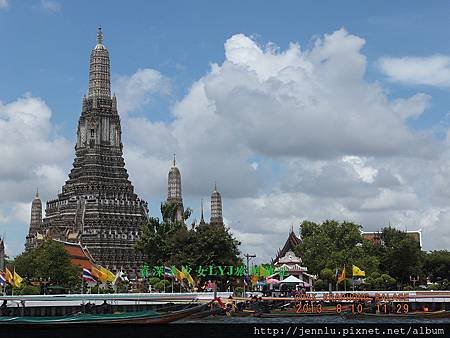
point(99, 71)
point(202, 219)
point(174, 183)
point(36, 211)
point(174, 189)
point(36, 219)
point(216, 207)
point(2, 254)
point(99, 36)
point(97, 205)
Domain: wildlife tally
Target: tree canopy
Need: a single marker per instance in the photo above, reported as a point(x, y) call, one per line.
point(437, 265)
point(401, 256)
point(169, 242)
point(48, 262)
point(332, 245)
point(397, 261)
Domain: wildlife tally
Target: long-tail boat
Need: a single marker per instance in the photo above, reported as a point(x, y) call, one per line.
point(85, 319)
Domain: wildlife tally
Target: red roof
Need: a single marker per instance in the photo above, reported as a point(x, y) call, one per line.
point(79, 256)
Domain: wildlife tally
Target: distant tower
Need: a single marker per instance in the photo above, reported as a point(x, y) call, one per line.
point(216, 207)
point(35, 222)
point(2, 254)
point(174, 190)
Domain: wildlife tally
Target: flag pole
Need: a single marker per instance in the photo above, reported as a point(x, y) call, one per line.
point(13, 280)
point(82, 292)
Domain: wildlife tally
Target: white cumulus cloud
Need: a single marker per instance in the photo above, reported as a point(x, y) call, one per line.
point(135, 91)
point(33, 156)
point(431, 70)
point(322, 133)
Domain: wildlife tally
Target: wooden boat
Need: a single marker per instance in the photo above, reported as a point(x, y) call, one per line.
point(206, 313)
point(84, 319)
point(243, 313)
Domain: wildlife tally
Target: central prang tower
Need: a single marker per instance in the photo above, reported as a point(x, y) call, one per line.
point(97, 205)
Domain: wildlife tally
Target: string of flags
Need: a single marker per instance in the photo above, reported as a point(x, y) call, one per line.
point(11, 278)
point(356, 272)
point(101, 274)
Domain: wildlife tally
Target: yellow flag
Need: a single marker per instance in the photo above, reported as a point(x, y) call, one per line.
point(110, 277)
point(178, 274)
point(262, 271)
point(187, 275)
point(100, 275)
point(9, 276)
point(17, 279)
point(357, 271)
point(190, 279)
point(254, 279)
point(342, 276)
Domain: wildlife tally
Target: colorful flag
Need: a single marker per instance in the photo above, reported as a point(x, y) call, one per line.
point(99, 275)
point(168, 272)
point(187, 275)
point(110, 277)
point(255, 279)
point(178, 274)
point(190, 279)
point(9, 276)
point(2, 279)
point(17, 279)
point(262, 271)
point(342, 277)
point(358, 272)
point(87, 276)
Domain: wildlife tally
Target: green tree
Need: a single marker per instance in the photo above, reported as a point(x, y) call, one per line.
point(332, 245)
point(327, 274)
point(155, 241)
point(25, 289)
point(169, 212)
point(25, 264)
point(377, 281)
point(215, 245)
point(171, 243)
point(50, 262)
point(437, 265)
point(401, 256)
point(153, 280)
point(320, 285)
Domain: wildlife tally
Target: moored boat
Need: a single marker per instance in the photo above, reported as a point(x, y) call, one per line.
point(85, 319)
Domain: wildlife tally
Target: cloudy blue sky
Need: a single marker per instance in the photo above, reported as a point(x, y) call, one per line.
point(298, 110)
